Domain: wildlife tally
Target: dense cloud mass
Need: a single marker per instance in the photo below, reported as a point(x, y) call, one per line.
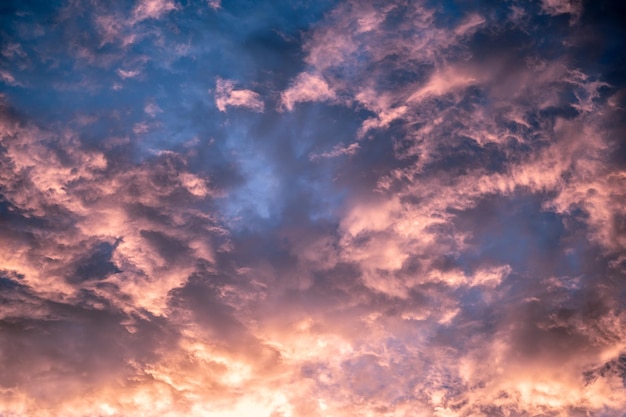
point(313, 208)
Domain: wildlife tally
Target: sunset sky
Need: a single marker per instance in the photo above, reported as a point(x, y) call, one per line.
point(313, 208)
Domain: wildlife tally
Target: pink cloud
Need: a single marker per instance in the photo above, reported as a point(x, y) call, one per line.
point(444, 82)
point(305, 88)
point(152, 109)
point(227, 96)
point(557, 7)
point(152, 9)
point(125, 74)
point(8, 78)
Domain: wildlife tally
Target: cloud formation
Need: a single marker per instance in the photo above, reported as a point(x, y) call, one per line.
point(306, 87)
point(227, 96)
point(379, 209)
point(152, 9)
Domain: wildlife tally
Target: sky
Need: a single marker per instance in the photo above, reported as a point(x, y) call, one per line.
point(298, 208)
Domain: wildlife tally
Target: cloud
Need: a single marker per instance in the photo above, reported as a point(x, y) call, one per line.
point(137, 256)
point(441, 234)
point(469, 25)
point(338, 150)
point(227, 96)
point(152, 9)
point(124, 74)
point(152, 109)
point(114, 29)
point(557, 7)
point(8, 78)
point(442, 83)
point(305, 88)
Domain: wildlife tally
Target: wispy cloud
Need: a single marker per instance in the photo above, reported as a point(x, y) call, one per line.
point(8, 78)
point(152, 9)
point(227, 96)
point(305, 88)
point(338, 150)
point(557, 7)
point(152, 109)
point(124, 74)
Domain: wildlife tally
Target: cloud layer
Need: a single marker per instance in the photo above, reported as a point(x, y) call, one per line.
point(352, 208)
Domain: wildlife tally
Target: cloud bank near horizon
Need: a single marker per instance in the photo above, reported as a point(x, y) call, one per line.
point(275, 209)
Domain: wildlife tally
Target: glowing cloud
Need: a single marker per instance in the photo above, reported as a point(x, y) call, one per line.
point(227, 96)
point(306, 87)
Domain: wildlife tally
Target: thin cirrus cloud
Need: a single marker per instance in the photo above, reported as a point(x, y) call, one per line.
point(381, 209)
